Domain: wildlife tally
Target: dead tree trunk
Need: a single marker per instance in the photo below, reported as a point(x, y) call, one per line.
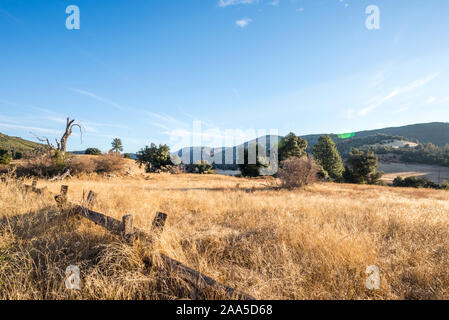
point(62, 144)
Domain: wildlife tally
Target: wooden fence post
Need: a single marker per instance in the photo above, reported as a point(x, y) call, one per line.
point(61, 199)
point(33, 185)
point(159, 221)
point(91, 198)
point(128, 229)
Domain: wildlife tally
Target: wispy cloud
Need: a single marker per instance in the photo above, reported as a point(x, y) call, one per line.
point(29, 128)
point(227, 3)
point(274, 3)
point(378, 101)
point(435, 100)
point(431, 100)
point(10, 16)
point(98, 98)
point(242, 23)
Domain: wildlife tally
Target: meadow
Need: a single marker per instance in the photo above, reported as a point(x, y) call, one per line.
point(311, 243)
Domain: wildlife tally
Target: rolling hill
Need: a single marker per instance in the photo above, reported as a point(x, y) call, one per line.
point(435, 132)
point(17, 144)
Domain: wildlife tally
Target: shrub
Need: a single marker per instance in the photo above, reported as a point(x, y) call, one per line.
point(109, 163)
point(414, 182)
point(40, 166)
point(298, 172)
point(5, 157)
point(444, 185)
point(18, 155)
point(80, 165)
point(93, 151)
point(199, 167)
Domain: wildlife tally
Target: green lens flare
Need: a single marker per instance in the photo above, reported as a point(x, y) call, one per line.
point(346, 135)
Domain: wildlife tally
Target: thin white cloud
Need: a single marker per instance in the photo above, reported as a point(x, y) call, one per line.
point(242, 23)
point(98, 98)
point(37, 129)
point(227, 3)
point(377, 102)
point(274, 3)
point(431, 100)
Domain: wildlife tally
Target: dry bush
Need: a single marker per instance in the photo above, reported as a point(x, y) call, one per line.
point(80, 165)
point(109, 163)
point(175, 170)
point(40, 166)
point(298, 172)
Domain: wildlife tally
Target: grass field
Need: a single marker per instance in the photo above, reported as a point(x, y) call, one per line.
point(314, 243)
point(437, 174)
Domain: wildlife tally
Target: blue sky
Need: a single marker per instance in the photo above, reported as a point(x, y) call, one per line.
point(141, 70)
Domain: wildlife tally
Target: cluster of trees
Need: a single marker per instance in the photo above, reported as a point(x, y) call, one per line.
point(424, 153)
point(415, 182)
point(345, 146)
point(361, 166)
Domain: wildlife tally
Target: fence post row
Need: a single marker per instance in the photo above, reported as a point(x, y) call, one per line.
point(128, 232)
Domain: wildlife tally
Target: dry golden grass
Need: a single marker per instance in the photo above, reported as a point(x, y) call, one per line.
point(273, 244)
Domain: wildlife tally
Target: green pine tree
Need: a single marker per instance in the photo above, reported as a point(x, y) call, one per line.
point(361, 168)
point(117, 145)
point(326, 154)
point(292, 146)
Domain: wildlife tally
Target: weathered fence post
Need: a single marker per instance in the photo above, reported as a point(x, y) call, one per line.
point(34, 185)
point(61, 199)
point(159, 221)
point(128, 229)
point(91, 198)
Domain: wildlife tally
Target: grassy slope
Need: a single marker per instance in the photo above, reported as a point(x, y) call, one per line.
point(17, 144)
point(309, 244)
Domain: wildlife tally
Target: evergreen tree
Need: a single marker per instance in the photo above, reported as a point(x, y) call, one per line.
point(361, 168)
point(117, 145)
point(326, 154)
point(154, 158)
point(292, 146)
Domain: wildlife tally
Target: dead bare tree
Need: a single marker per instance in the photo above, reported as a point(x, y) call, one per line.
point(62, 143)
point(68, 131)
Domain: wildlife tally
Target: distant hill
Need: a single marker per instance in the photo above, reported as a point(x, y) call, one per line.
point(18, 144)
point(435, 132)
